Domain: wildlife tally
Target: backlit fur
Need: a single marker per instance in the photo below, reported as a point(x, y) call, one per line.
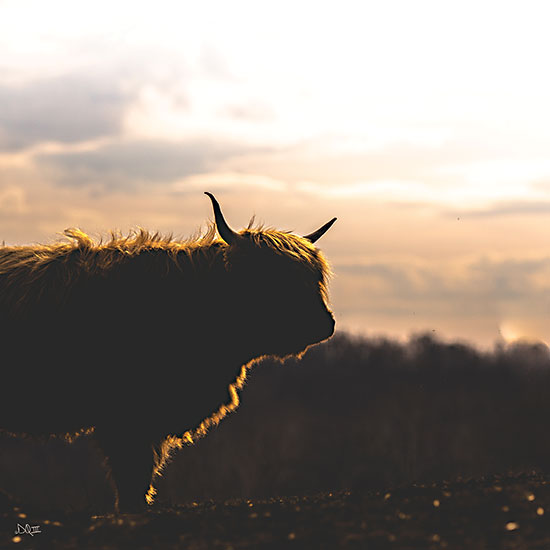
point(144, 341)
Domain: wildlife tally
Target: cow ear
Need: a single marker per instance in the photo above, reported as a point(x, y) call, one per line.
point(316, 235)
point(226, 233)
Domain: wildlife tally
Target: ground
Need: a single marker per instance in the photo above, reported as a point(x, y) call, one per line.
point(508, 511)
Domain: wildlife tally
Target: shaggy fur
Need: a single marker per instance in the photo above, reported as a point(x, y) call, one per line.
point(144, 341)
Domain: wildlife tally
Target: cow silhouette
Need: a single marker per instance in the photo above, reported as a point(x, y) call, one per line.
point(143, 342)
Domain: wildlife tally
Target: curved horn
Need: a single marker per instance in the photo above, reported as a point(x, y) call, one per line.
point(226, 233)
point(320, 232)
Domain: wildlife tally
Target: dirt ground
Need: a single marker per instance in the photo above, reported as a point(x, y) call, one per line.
point(511, 511)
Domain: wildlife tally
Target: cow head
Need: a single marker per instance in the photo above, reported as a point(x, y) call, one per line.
point(279, 286)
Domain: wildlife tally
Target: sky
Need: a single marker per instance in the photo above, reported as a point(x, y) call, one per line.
point(423, 126)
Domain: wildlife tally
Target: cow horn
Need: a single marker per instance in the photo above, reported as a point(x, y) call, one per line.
point(226, 233)
point(320, 232)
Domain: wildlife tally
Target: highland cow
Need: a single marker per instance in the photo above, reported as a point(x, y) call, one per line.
point(143, 341)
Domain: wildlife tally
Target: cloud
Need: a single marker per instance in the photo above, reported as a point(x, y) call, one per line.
point(506, 208)
point(69, 108)
point(469, 300)
point(233, 182)
point(127, 164)
point(518, 285)
point(365, 167)
point(513, 280)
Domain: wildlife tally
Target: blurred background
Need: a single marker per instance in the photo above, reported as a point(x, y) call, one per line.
point(353, 414)
point(423, 126)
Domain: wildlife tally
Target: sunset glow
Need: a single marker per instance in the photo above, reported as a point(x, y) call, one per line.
point(423, 126)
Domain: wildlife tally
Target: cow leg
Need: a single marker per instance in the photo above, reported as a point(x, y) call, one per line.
point(129, 459)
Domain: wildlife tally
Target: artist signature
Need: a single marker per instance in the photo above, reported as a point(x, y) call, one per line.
point(27, 529)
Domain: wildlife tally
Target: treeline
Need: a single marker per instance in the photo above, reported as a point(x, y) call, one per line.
point(352, 413)
point(356, 413)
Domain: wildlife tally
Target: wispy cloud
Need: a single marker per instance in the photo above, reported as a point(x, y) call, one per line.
point(127, 164)
point(425, 295)
point(505, 208)
point(67, 109)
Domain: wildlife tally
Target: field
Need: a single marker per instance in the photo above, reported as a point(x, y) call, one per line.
point(510, 511)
